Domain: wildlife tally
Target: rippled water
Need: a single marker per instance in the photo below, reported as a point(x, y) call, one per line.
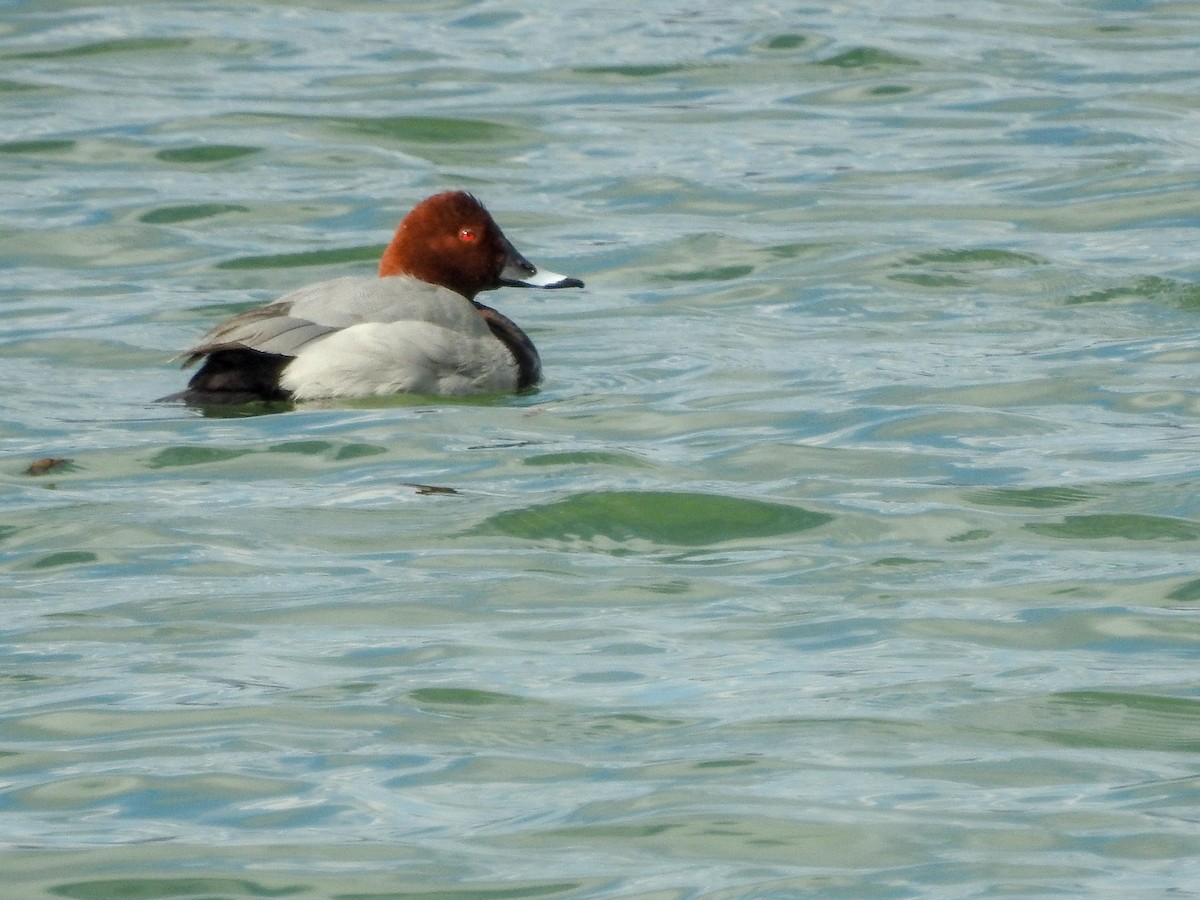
point(849, 548)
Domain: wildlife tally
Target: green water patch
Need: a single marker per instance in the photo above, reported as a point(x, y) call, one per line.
point(170, 215)
point(1132, 721)
point(1129, 527)
point(635, 71)
point(867, 58)
point(974, 534)
point(975, 257)
point(585, 458)
point(175, 457)
point(1186, 593)
point(143, 888)
point(1031, 498)
point(427, 129)
point(488, 20)
point(794, 250)
point(304, 448)
point(206, 153)
point(898, 562)
point(1183, 294)
point(787, 41)
point(358, 451)
point(754, 837)
point(951, 268)
point(929, 280)
point(713, 257)
point(1095, 719)
point(115, 45)
point(307, 258)
point(19, 87)
point(662, 517)
point(64, 558)
point(462, 697)
point(713, 273)
point(182, 456)
point(247, 410)
point(152, 887)
point(324, 448)
point(36, 148)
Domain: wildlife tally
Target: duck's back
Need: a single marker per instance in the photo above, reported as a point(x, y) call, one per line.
point(359, 336)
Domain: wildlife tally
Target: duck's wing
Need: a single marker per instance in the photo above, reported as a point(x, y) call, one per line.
point(285, 327)
point(343, 302)
point(267, 329)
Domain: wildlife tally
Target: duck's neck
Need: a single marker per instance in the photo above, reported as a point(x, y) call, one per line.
point(529, 364)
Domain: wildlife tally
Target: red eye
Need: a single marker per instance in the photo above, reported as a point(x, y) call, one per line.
point(467, 235)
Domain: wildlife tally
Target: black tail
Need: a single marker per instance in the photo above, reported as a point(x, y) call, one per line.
point(235, 375)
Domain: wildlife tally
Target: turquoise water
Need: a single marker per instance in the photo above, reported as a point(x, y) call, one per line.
point(849, 548)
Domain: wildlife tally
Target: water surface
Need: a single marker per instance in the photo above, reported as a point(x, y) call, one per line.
point(849, 548)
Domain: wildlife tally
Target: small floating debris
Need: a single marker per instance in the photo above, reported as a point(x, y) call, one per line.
point(46, 465)
point(429, 488)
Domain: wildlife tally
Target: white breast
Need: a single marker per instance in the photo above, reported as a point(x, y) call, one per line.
point(409, 356)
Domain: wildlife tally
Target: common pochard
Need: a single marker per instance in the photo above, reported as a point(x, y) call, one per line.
point(415, 329)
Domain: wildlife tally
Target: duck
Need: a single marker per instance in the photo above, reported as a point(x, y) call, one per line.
point(416, 328)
